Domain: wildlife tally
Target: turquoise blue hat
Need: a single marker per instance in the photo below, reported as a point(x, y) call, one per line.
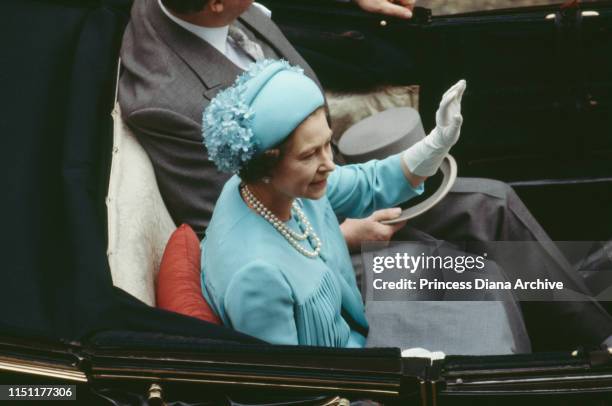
point(260, 110)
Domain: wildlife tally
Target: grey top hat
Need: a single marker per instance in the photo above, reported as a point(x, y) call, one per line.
point(390, 132)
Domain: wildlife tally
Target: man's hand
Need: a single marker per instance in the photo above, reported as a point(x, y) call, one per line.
point(356, 231)
point(393, 8)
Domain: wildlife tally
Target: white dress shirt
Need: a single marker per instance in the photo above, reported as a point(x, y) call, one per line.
point(217, 37)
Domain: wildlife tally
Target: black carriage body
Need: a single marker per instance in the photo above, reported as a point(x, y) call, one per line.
point(538, 105)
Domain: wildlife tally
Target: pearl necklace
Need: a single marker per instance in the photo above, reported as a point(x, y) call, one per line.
point(291, 236)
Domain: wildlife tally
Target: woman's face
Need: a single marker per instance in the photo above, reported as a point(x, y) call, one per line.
point(307, 160)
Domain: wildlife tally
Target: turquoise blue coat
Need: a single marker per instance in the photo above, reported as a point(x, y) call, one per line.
point(262, 286)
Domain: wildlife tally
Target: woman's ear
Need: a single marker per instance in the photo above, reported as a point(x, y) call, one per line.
point(272, 153)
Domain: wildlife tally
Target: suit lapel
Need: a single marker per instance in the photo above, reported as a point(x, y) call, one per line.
point(269, 32)
point(211, 66)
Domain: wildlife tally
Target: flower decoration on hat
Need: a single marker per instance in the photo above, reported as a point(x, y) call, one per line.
point(227, 123)
point(227, 131)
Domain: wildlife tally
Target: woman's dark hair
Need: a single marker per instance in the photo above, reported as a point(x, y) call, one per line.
point(262, 165)
point(185, 6)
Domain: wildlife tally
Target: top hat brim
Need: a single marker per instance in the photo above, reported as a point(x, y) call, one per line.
point(448, 168)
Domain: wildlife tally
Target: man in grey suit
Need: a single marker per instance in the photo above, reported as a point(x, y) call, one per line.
point(178, 54)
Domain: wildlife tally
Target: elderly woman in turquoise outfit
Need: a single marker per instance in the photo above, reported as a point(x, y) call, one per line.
point(275, 264)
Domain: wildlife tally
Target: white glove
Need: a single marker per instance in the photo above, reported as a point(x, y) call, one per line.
point(424, 157)
point(419, 352)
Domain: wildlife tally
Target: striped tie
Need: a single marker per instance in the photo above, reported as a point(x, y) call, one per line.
point(251, 48)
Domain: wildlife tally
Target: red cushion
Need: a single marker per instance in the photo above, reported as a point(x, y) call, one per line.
point(178, 282)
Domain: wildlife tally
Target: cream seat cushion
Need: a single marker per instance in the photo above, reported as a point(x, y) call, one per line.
point(139, 224)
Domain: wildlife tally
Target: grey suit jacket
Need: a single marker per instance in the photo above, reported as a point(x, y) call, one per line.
point(168, 77)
